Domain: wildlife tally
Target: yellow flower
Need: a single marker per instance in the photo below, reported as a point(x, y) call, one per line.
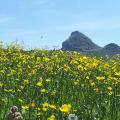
point(39, 108)
point(94, 64)
point(45, 107)
point(9, 90)
point(117, 74)
point(38, 59)
point(65, 108)
point(100, 78)
point(110, 93)
point(52, 117)
point(43, 90)
point(87, 77)
point(26, 82)
point(25, 107)
point(46, 59)
point(48, 80)
point(92, 83)
point(39, 84)
point(109, 88)
point(39, 113)
point(80, 67)
point(32, 104)
point(20, 100)
point(52, 106)
point(1, 84)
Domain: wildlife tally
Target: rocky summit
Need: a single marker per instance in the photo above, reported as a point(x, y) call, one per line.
point(79, 42)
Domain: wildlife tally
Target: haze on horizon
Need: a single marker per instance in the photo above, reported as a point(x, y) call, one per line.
point(47, 23)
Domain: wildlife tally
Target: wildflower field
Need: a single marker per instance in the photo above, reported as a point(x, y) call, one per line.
point(50, 85)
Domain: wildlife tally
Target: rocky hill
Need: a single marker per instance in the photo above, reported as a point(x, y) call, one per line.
point(110, 50)
point(81, 43)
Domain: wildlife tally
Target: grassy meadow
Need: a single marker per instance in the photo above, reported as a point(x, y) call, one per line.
point(50, 85)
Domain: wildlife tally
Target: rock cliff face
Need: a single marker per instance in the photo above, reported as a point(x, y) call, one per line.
point(81, 43)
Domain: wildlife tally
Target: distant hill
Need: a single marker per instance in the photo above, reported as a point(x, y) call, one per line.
point(81, 43)
point(110, 50)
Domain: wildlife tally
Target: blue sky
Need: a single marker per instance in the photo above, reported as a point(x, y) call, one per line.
point(47, 23)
